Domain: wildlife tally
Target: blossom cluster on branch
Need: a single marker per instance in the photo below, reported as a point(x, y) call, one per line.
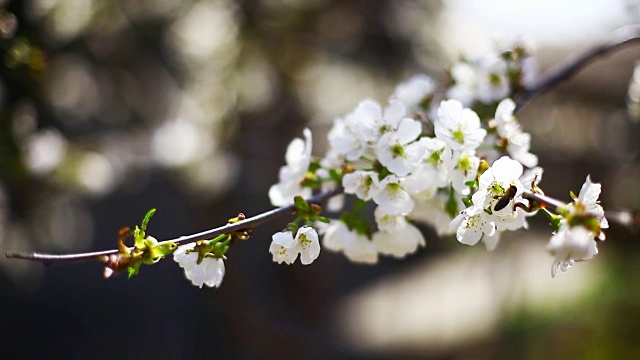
point(452, 156)
point(457, 160)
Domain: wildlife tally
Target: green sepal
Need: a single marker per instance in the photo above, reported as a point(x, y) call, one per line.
point(138, 238)
point(554, 220)
point(301, 205)
point(355, 223)
point(573, 195)
point(383, 172)
point(203, 248)
point(293, 227)
point(220, 249)
point(323, 219)
point(335, 176)
point(587, 221)
point(134, 268)
point(451, 206)
point(160, 250)
point(215, 247)
point(314, 166)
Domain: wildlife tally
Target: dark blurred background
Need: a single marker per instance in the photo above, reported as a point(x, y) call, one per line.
point(109, 108)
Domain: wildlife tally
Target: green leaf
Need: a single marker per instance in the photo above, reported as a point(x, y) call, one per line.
point(146, 219)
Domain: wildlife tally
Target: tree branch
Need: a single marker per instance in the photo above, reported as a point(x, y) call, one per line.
point(249, 223)
point(615, 41)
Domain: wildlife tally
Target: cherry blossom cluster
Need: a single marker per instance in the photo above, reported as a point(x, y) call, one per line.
point(579, 224)
point(457, 160)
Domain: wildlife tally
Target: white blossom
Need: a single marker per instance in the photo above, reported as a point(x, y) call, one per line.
point(433, 212)
point(483, 217)
point(372, 121)
point(388, 222)
point(285, 248)
point(361, 183)
point(495, 181)
point(345, 140)
point(576, 242)
point(462, 168)
point(508, 128)
point(415, 90)
point(458, 127)
point(209, 272)
point(356, 247)
point(298, 158)
point(465, 84)
point(398, 151)
point(392, 197)
point(399, 242)
point(493, 83)
point(571, 244)
point(485, 80)
point(432, 172)
point(532, 177)
point(332, 159)
point(587, 202)
point(473, 224)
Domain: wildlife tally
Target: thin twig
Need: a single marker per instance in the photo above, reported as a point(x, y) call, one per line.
point(543, 199)
point(615, 41)
point(249, 223)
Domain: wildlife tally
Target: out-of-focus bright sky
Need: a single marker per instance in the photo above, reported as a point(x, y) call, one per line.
point(545, 22)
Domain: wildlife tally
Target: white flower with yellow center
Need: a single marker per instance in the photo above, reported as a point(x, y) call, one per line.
point(392, 197)
point(372, 121)
point(285, 248)
point(209, 272)
point(398, 151)
point(361, 183)
point(458, 127)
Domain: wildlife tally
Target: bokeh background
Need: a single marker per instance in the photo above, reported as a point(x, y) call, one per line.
point(109, 108)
